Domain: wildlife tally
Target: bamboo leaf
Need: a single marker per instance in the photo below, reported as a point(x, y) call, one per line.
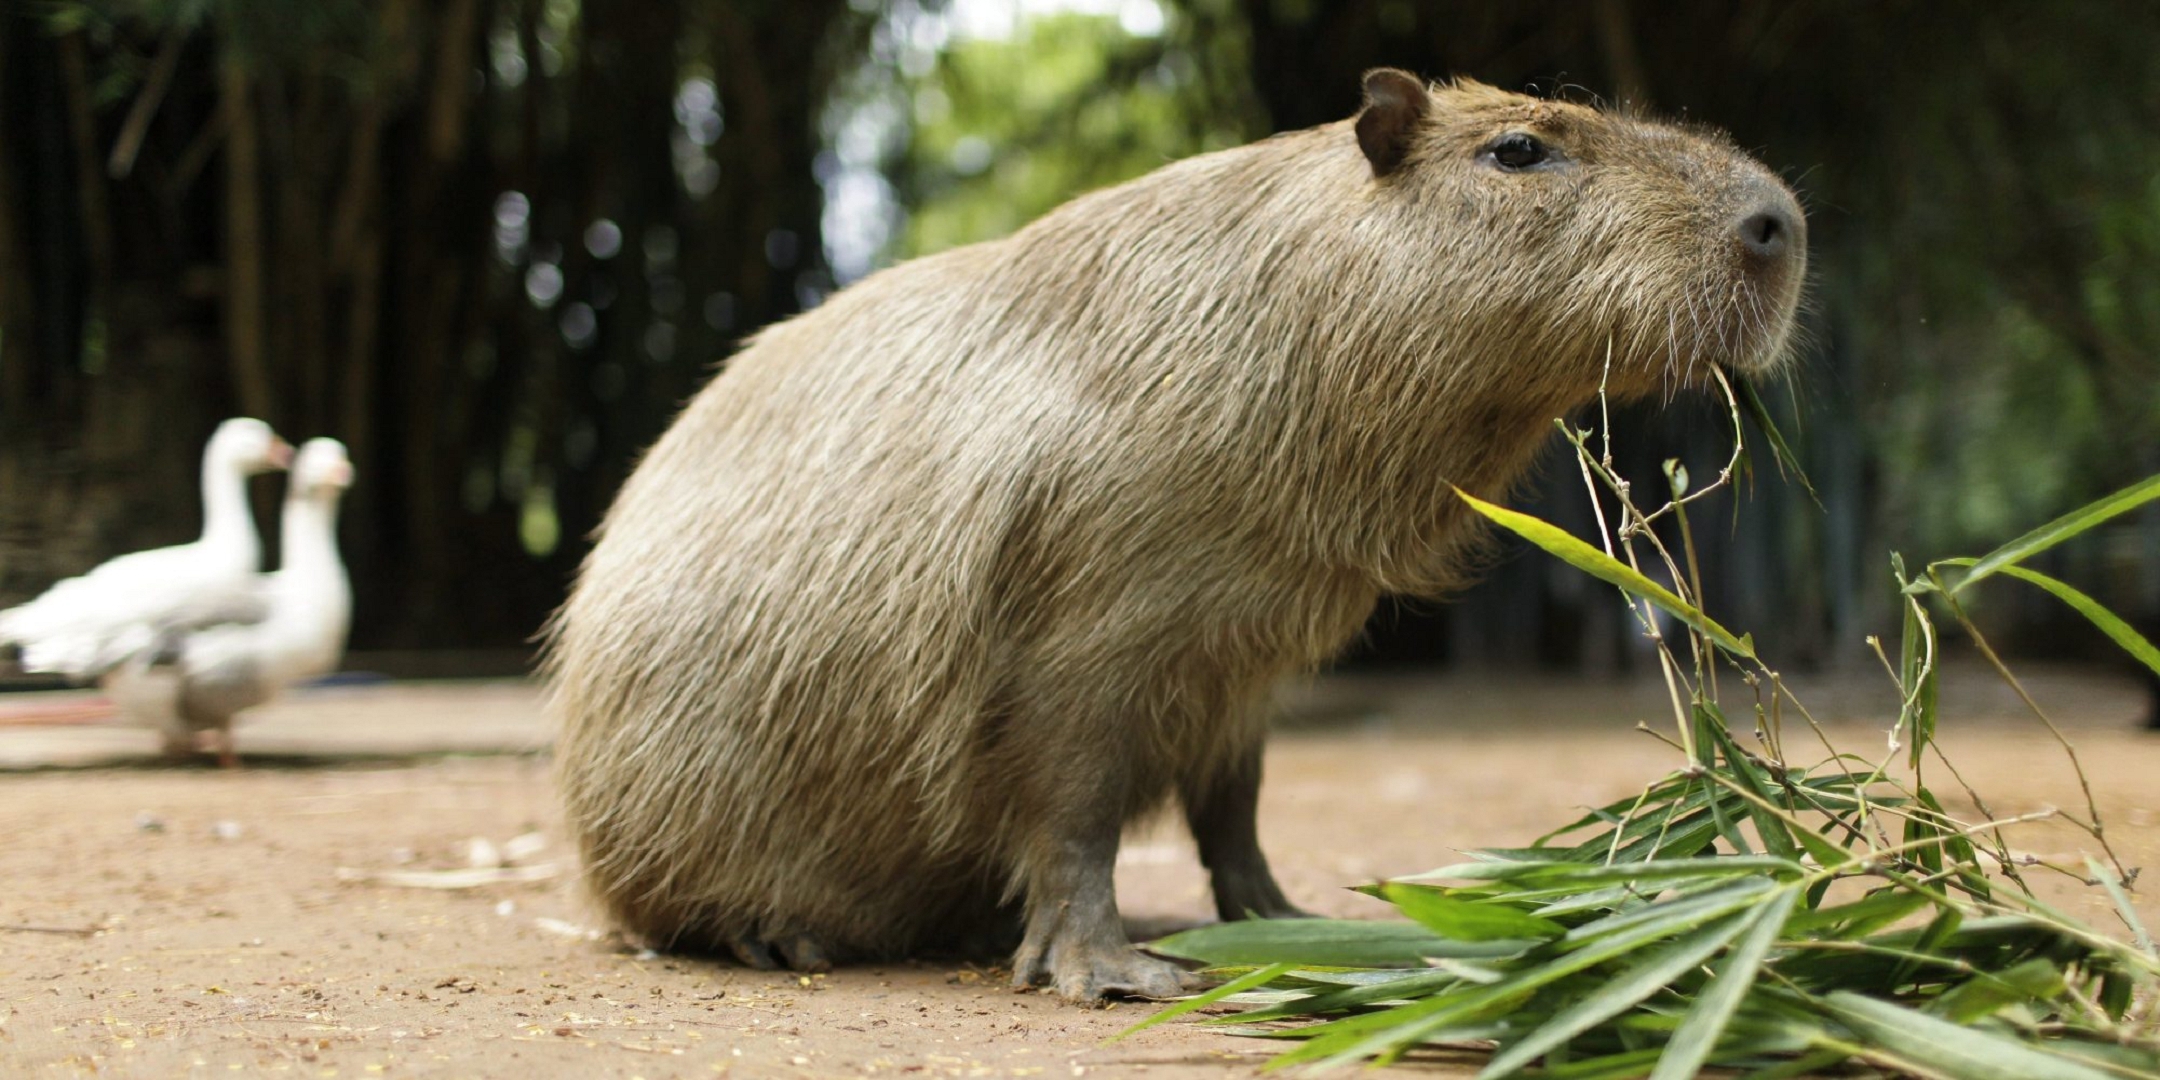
point(2122, 633)
point(1698, 1035)
point(2123, 907)
point(1415, 985)
point(1948, 1049)
point(1559, 542)
point(1985, 993)
point(1344, 942)
point(1239, 985)
point(1621, 1066)
point(1672, 916)
point(1617, 994)
point(1565, 873)
point(1463, 920)
point(1787, 461)
point(1776, 837)
point(2059, 530)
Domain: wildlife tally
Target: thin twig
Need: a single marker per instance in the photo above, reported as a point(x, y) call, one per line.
point(2097, 828)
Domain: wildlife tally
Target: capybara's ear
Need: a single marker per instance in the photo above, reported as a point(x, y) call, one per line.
point(1396, 102)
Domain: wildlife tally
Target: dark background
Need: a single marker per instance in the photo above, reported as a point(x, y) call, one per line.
point(493, 244)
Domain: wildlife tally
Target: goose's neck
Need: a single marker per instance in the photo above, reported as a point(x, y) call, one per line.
point(227, 522)
point(308, 541)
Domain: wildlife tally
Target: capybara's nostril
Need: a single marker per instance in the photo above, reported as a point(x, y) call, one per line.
point(1771, 230)
point(1767, 233)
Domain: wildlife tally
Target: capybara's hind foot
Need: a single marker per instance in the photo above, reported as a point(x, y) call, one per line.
point(1089, 972)
point(797, 952)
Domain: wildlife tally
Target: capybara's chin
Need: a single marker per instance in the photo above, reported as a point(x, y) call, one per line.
point(937, 587)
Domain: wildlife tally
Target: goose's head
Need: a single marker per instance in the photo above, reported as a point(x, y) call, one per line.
point(248, 446)
point(320, 470)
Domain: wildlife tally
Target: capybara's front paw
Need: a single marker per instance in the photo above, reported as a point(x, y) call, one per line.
point(1087, 974)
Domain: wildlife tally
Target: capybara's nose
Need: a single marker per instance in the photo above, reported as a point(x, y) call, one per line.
point(1771, 228)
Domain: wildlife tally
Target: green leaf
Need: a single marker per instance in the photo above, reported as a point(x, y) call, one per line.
point(1357, 1037)
point(1672, 916)
point(1578, 874)
point(1939, 930)
point(1239, 985)
point(1807, 1065)
point(1777, 838)
point(2094, 611)
point(1621, 1066)
point(1582, 556)
point(1464, 920)
point(2059, 530)
point(1949, 1049)
point(1917, 673)
point(1415, 985)
point(1616, 995)
point(1986, 993)
point(2123, 907)
point(1787, 461)
point(1698, 1035)
point(1860, 917)
point(1343, 942)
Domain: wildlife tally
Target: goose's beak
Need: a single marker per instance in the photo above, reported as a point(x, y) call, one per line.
point(280, 453)
point(338, 474)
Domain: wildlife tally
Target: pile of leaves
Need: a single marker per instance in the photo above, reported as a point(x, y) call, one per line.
point(1745, 911)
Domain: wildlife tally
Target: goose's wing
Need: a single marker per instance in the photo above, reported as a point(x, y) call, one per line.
point(83, 626)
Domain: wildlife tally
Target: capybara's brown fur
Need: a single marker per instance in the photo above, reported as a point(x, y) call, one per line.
point(939, 586)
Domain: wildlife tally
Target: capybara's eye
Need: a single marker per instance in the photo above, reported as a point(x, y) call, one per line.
point(1516, 151)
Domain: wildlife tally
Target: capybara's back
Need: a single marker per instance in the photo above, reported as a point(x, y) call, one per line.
point(938, 586)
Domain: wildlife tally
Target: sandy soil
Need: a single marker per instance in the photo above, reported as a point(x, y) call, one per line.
point(162, 921)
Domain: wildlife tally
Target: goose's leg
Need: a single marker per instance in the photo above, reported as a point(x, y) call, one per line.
point(227, 756)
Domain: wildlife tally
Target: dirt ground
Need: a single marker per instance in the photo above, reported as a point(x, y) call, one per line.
point(161, 921)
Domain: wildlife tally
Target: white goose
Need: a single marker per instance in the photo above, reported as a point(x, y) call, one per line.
point(83, 625)
point(197, 677)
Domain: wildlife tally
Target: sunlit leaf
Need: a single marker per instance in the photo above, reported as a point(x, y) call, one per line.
point(1559, 542)
point(1464, 920)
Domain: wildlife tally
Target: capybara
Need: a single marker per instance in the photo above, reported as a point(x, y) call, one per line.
point(936, 588)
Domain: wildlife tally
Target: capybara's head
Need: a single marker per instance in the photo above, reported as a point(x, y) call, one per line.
point(1599, 236)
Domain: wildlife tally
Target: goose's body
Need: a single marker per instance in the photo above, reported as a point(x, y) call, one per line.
point(84, 625)
point(287, 627)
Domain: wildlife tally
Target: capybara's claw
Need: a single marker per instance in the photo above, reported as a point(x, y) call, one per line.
point(753, 952)
point(795, 952)
point(1125, 972)
point(1087, 974)
point(803, 953)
